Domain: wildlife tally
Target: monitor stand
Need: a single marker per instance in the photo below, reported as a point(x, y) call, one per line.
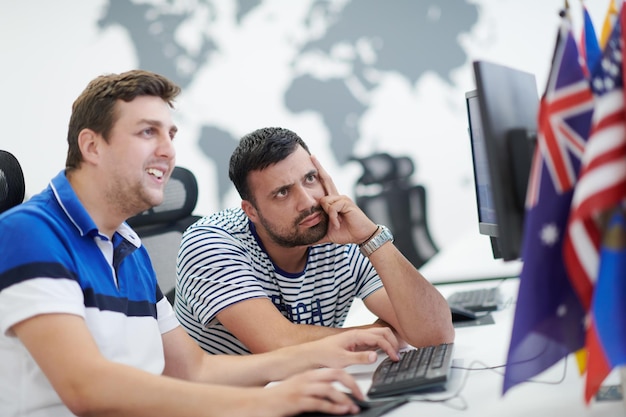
point(495, 247)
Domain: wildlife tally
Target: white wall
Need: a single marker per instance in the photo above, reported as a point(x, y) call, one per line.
point(51, 50)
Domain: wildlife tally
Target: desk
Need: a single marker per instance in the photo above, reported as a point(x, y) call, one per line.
point(480, 391)
point(468, 259)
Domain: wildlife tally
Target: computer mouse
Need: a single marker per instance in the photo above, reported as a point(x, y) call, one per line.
point(462, 314)
point(369, 408)
point(363, 404)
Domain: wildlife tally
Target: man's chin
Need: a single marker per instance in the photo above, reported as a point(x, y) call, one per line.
point(303, 242)
point(148, 202)
point(315, 237)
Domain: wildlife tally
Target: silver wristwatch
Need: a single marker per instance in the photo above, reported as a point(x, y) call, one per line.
point(383, 236)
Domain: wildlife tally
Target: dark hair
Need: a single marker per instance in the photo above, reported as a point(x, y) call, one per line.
point(258, 150)
point(95, 108)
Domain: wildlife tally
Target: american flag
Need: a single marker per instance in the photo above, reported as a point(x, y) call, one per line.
point(602, 183)
point(603, 175)
point(549, 319)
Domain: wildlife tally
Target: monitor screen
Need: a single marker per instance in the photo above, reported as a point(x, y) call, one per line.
point(508, 103)
point(486, 210)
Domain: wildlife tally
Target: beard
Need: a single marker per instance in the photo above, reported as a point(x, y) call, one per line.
point(293, 238)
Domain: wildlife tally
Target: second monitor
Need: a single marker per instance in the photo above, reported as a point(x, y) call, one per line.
point(486, 210)
point(508, 109)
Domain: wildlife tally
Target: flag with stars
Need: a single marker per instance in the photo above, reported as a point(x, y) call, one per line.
point(602, 183)
point(549, 319)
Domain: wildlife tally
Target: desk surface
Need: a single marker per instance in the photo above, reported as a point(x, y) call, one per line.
point(468, 259)
point(558, 391)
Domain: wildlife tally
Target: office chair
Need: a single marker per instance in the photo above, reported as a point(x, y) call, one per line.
point(385, 193)
point(12, 187)
point(161, 228)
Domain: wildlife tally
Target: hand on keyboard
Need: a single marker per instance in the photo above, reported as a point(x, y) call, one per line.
point(418, 369)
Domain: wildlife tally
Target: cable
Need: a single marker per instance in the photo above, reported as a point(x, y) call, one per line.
point(496, 367)
point(456, 401)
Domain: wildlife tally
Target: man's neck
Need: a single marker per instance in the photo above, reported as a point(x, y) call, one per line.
point(90, 197)
point(292, 260)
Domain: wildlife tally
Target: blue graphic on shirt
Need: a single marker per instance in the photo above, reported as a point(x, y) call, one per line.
point(300, 313)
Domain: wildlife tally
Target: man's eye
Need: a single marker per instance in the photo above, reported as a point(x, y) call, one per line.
point(311, 178)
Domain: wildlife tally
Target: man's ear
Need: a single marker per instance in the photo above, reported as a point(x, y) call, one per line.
point(88, 143)
point(250, 211)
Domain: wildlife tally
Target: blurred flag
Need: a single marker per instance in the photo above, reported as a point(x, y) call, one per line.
point(589, 46)
point(601, 187)
point(591, 55)
point(609, 21)
point(602, 182)
point(606, 339)
point(548, 322)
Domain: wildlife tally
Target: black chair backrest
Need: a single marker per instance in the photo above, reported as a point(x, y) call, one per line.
point(161, 228)
point(384, 169)
point(386, 194)
point(12, 187)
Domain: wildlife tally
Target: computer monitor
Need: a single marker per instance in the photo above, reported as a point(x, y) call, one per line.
point(486, 210)
point(508, 103)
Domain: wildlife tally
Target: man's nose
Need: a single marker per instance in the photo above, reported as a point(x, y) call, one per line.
point(306, 198)
point(166, 147)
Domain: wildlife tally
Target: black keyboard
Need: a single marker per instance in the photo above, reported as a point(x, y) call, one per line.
point(482, 299)
point(417, 370)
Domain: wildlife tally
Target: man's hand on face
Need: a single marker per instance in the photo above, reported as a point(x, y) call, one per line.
point(346, 221)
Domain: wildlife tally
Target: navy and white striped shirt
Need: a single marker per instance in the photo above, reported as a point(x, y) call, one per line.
point(222, 262)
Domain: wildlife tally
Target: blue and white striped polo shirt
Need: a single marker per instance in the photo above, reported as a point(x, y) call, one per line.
point(54, 260)
point(221, 262)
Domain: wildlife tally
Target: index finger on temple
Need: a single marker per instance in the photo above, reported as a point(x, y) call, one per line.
point(327, 182)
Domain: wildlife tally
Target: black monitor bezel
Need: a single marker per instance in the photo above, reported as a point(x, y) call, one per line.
point(484, 227)
point(509, 105)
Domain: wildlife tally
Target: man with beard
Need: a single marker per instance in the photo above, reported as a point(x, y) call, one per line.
point(84, 326)
point(285, 267)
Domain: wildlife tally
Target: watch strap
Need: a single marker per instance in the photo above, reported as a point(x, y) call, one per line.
point(376, 241)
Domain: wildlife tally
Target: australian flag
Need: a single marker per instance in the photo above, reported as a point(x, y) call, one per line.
point(549, 318)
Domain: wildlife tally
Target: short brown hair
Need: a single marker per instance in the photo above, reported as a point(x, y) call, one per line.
point(95, 108)
point(256, 151)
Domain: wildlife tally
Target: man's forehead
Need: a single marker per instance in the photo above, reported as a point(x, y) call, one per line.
point(144, 107)
point(288, 171)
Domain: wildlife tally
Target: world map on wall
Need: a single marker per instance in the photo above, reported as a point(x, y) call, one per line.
point(369, 37)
